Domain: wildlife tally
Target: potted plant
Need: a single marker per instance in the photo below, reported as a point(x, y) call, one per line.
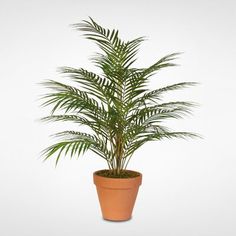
point(119, 109)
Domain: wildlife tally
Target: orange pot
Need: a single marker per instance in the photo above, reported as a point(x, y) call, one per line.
point(117, 196)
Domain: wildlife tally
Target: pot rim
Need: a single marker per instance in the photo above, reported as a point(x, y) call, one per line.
point(95, 174)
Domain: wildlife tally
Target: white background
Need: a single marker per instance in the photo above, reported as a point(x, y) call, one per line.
point(188, 186)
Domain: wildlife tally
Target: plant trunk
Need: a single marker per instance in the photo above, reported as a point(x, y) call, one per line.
point(119, 155)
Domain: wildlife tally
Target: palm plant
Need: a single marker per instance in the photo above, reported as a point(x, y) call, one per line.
point(120, 111)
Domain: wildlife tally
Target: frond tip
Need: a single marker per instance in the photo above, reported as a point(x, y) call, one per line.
point(182, 135)
point(72, 147)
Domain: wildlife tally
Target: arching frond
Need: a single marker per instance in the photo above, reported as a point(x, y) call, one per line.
point(76, 143)
point(70, 99)
point(157, 136)
point(162, 63)
point(102, 88)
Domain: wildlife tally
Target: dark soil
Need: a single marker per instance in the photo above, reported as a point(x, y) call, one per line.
point(123, 174)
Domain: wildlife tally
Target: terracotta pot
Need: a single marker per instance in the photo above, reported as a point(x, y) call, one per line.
point(117, 195)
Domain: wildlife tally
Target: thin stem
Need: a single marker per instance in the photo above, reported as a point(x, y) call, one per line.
point(127, 161)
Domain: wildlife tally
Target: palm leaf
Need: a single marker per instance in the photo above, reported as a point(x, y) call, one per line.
point(157, 136)
point(161, 63)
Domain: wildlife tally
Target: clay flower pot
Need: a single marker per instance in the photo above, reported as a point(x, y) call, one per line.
point(117, 195)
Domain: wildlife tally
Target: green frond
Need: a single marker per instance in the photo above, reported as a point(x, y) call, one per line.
point(68, 98)
point(72, 135)
point(157, 136)
point(155, 94)
point(135, 86)
point(72, 118)
point(100, 127)
point(152, 97)
point(182, 135)
point(77, 147)
point(107, 40)
point(162, 63)
point(119, 55)
point(98, 144)
point(101, 88)
point(75, 144)
point(159, 112)
point(136, 131)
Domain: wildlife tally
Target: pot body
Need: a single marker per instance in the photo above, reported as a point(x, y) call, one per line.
point(117, 196)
